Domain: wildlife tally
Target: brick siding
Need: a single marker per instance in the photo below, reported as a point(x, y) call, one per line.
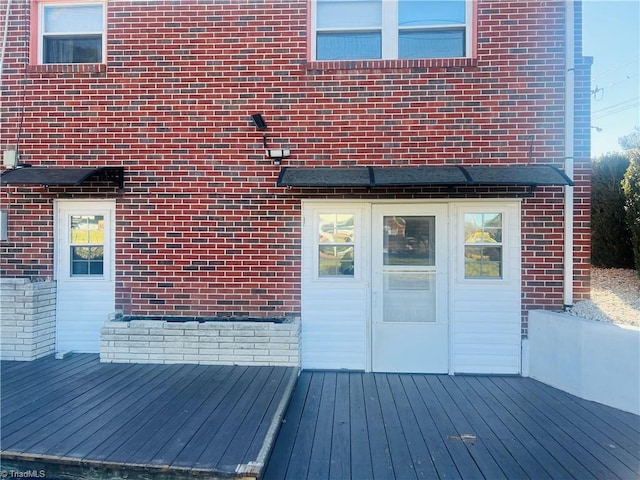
point(201, 226)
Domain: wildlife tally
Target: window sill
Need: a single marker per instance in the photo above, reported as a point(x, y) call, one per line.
point(349, 65)
point(68, 68)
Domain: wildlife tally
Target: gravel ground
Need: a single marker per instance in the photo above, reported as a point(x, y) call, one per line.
point(615, 297)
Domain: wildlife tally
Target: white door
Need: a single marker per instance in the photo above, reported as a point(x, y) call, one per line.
point(486, 287)
point(84, 266)
point(409, 295)
point(335, 281)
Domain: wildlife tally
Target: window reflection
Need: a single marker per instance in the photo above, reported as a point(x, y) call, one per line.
point(409, 240)
point(483, 245)
point(87, 245)
point(336, 245)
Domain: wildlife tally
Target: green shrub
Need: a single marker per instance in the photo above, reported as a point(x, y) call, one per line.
point(631, 188)
point(610, 235)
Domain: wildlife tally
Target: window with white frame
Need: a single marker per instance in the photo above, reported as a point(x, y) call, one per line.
point(71, 32)
point(390, 29)
point(336, 245)
point(483, 245)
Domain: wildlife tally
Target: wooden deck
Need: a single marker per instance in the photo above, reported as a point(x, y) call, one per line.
point(396, 426)
point(79, 418)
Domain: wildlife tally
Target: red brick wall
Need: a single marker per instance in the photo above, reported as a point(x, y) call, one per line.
point(201, 226)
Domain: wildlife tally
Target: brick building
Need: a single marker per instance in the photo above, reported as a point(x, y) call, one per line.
point(401, 180)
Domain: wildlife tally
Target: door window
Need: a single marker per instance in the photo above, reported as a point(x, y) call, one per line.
point(408, 249)
point(483, 245)
point(336, 245)
point(87, 245)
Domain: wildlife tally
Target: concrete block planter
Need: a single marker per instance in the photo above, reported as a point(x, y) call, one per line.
point(592, 360)
point(233, 341)
point(27, 318)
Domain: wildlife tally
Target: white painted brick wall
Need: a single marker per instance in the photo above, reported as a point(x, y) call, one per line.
point(209, 343)
point(27, 318)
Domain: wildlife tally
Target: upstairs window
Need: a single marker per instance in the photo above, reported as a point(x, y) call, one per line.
point(71, 33)
point(390, 29)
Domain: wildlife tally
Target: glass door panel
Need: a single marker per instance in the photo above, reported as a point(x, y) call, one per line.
point(408, 259)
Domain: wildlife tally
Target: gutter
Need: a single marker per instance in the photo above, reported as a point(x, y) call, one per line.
point(569, 113)
point(4, 38)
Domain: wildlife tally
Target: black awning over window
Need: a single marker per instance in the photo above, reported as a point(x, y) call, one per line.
point(485, 175)
point(62, 176)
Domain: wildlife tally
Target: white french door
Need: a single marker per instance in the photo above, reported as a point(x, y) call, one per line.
point(84, 267)
point(374, 287)
point(409, 296)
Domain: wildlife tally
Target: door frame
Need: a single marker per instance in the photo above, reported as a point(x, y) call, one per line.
point(439, 363)
point(311, 205)
point(82, 207)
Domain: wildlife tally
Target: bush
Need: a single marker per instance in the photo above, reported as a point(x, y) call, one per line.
point(631, 188)
point(610, 235)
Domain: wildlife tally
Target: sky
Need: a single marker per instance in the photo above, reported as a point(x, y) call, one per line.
point(611, 36)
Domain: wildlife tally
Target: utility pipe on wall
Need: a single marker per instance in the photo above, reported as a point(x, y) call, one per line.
point(4, 38)
point(569, 113)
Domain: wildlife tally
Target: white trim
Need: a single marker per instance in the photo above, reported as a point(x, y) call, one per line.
point(41, 34)
point(390, 31)
point(490, 208)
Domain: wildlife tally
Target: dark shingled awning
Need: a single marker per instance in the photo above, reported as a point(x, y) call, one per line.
point(62, 176)
point(486, 175)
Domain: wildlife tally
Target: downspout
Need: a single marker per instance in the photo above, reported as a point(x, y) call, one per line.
point(5, 35)
point(4, 38)
point(569, 113)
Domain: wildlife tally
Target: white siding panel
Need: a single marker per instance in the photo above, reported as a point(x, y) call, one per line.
point(334, 311)
point(486, 313)
point(83, 303)
point(333, 328)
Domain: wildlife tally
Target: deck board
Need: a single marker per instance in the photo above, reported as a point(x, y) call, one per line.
point(82, 417)
point(360, 451)
point(279, 461)
point(33, 386)
point(190, 419)
point(401, 459)
point(444, 464)
point(624, 426)
point(467, 433)
point(485, 435)
point(123, 446)
point(580, 431)
point(380, 450)
point(318, 465)
point(559, 445)
point(100, 427)
point(460, 454)
point(525, 450)
point(72, 415)
point(196, 445)
point(236, 415)
point(449, 427)
point(340, 465)
point(213, 394)
point(307, 428)
point(421, 456)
